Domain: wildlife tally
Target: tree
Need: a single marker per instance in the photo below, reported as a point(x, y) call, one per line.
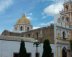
point(47, 51)
point(22, 52)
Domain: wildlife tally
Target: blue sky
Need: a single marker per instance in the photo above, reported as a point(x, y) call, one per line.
point(40, 12)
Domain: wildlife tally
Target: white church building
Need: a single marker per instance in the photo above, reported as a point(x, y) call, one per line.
point(10, 45)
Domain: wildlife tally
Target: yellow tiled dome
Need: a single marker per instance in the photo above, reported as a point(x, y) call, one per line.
point(23, 20)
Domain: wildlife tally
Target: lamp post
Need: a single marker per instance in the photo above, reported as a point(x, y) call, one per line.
point(36, 43)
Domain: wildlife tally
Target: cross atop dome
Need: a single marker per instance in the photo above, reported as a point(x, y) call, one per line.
point(24, 14)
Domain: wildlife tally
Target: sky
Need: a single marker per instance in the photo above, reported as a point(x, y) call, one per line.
point(40, 12)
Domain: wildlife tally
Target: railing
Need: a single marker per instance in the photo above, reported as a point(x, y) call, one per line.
point(66, 39)
point(64, 12)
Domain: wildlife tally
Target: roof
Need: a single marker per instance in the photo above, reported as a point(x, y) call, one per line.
point(15, 38)
point(46, 32)
point(23, 20)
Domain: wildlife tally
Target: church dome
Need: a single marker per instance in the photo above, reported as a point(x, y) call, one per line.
point(23, 20)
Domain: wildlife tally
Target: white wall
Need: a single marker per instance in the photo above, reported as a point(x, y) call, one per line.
point(7, 48)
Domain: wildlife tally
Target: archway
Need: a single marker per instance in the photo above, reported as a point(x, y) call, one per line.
point(64, 52)
point(21, 28)
point(63, 35)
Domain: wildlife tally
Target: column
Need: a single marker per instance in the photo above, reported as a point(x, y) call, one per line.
point(57, 51)
point(60, 51)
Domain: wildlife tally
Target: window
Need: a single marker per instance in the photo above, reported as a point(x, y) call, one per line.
point(37, 54)
point(63, 35)
point(21, 28)
point(64, 52)
point(67, 19)
point(27, 28)
point(66, 7)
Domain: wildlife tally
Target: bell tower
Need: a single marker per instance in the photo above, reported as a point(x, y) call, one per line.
point(68, 13)
point(64, 21)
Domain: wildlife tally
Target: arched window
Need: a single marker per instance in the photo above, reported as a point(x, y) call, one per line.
point(67, 19)
point(27, 28)
point(21, 28)
point(64, 52)
point(63, 35)
point(66, 7)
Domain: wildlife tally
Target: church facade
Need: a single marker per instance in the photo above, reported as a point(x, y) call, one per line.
point(63, 29)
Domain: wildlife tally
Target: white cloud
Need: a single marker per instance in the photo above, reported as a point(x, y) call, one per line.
point(54, 8)
point(30, 14)
point(47, 24)
point(44, 24)
point(4, 4)
point(36, 27)
point(29, 17)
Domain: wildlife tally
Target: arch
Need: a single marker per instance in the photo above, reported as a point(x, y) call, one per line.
point(66, 6)
point(27, 28)
point(64, 52)
point(67, 19)
point(63, 34)
point(21, 28)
